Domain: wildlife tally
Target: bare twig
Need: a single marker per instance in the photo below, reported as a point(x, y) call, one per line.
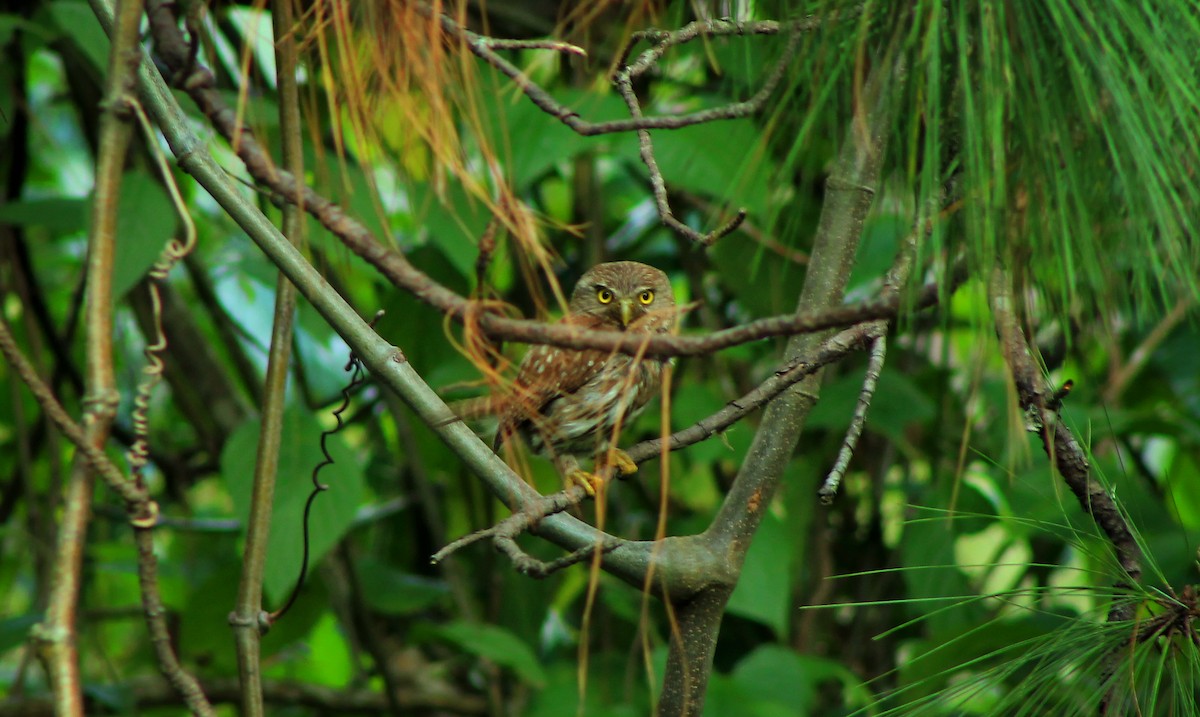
point(870, 380)
point(479, 46)
point(534, 568)
point(520, 521)
point(1042, 403)
point(751, 230)
point(623, 80)
point(658, 184)
point(96, 459)
point(833, 349)
point(497, 43)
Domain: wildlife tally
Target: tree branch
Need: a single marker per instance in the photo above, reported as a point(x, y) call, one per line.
point(857, 422)
point(849, 194)
point(1037, 399)
point(55, 636)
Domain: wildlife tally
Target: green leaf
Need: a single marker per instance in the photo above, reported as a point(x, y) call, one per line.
point(332, 510)
point(15, 630)
point(77, 21)
point(763, 593)
point(145, 222)
point(717, 158)
point(394, 592)
point(496, 644)
point(56, 214)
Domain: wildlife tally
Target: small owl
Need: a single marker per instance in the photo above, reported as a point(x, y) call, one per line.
point(570, 403)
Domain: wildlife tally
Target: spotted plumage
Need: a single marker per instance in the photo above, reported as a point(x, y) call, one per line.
point(572, 403)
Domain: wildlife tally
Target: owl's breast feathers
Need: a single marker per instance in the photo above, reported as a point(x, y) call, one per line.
point(572, 401)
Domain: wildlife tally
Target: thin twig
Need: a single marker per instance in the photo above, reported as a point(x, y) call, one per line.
point(870, 379)
point(520, 521)
point(479, 46)
point(658, 185)
point(567, 48)
point(833, 349)
point(750, 230)
point(540, 569)
point(96, 459)
point(1042, 403)
point(624, 84)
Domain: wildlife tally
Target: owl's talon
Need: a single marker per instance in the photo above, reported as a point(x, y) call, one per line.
point(620, 460)
point(589, 481)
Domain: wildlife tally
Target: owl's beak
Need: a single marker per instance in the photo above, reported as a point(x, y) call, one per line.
point(626, 312)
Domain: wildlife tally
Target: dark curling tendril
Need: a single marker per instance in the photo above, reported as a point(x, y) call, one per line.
point(357, 378)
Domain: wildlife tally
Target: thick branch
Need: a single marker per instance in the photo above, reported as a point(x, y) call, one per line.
point(850, 189)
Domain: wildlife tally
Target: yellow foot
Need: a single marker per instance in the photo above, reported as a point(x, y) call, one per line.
point(590, 481)
point(620, 460)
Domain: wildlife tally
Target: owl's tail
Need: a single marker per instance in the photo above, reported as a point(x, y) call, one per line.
point(471, 409)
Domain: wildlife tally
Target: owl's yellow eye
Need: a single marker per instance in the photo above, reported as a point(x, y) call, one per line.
point(646, 296)
point(604, 296)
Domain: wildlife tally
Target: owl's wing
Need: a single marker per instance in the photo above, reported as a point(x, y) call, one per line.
point(546, 373)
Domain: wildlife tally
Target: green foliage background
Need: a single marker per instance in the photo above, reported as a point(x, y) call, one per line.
point(954, 574)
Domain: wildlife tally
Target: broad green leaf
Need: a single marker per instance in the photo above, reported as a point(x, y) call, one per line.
point(394, 592)
point(14, 631)
point(146, 220)
point(727, 698)
point(496, 644)
point(332, 510)
point(715, 159)
point(78, 22)
point(763, 593)
point(59, 215)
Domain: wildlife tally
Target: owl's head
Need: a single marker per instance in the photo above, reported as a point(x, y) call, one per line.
point(624, 291)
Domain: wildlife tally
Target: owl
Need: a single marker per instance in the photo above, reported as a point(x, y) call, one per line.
point(572, 403)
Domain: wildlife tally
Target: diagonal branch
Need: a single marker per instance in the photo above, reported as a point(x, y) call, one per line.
point(629, 562)
point(1039, 400)
point(832, 350)
point(870, 379)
